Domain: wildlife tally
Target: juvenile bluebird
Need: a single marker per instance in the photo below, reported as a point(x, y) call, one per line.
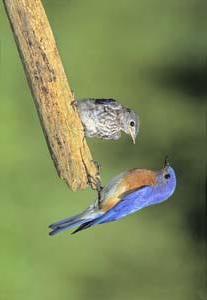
point(106, 118)
point(126, 194)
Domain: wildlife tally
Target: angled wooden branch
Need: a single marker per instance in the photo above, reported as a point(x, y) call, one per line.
point(51, 92)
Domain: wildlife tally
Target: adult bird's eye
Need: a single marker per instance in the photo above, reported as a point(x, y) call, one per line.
point(132, 123)
point(167, 176)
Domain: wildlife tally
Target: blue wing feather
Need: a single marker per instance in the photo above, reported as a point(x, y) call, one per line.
point(130, 204)
point(135, 201)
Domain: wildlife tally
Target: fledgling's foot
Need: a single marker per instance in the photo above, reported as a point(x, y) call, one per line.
point(74, 102)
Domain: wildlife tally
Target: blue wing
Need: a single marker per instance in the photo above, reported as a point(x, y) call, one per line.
point(130, 204)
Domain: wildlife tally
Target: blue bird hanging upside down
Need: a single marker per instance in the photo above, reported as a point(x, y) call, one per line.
point(126, 194)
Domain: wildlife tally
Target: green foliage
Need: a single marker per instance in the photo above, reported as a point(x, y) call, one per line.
point(151, 55)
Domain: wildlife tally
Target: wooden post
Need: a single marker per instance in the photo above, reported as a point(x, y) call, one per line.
point(52, 95)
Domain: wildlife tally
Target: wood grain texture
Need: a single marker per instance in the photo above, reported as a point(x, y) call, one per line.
point(52, 95)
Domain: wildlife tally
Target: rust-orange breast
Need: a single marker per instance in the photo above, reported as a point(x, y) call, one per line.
point(138, 178)
point(135, 179)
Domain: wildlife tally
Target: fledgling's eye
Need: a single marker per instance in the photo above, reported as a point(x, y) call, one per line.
point(167, 176)
point(132, 123)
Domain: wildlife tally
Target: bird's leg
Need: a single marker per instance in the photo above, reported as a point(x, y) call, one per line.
point(96, 185)
point(96, 182)
point(74, 101)
point(98, 167)
point(99, 186)
point(99, 189)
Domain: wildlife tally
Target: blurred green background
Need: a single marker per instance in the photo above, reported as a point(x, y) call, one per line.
point(151, 55)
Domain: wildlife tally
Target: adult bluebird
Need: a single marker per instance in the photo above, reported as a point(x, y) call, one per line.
point(126, 194)
point(107, 118)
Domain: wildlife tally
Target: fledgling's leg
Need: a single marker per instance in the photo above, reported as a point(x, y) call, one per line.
point(74, 101)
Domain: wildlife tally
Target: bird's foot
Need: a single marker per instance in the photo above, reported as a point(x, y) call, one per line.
point(98, 167)
point(74, 101)
point(95, 183)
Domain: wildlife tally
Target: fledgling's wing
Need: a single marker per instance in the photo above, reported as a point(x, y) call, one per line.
point(105, 101)
point(108, 103)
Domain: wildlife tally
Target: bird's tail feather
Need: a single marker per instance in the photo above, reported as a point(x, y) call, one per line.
point(84, 225)
point(76, 221)
point(65, 221)
point(65, 227)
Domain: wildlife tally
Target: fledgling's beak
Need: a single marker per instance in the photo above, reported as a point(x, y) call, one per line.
point(133, 136)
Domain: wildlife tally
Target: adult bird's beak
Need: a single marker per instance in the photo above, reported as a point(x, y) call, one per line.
point(132, 135)
point(166, 163)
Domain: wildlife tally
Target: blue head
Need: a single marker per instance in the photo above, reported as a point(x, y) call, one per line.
point(166, 184)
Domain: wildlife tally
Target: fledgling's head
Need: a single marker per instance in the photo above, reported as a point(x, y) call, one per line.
point(130, 123)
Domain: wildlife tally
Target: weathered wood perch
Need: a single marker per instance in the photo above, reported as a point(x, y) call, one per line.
point(52, 95)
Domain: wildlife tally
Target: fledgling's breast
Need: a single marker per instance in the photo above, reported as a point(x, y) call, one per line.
point(105, 124)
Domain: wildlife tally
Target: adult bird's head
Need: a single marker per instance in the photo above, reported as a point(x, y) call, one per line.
point(166, 181)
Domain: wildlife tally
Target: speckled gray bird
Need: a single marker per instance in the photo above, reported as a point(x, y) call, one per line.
point(106, 118)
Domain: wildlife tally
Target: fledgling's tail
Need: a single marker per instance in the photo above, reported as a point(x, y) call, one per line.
point(82, 221)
